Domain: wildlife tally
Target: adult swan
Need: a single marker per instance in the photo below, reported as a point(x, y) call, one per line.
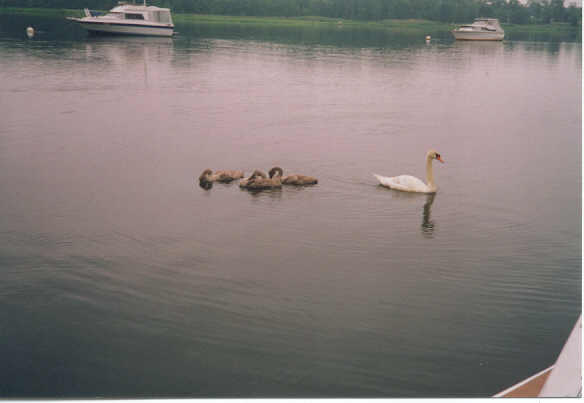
point(408, 183)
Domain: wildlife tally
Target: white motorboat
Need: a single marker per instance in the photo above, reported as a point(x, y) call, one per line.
point(563, 379)
point(129, 19)
point(482, 29)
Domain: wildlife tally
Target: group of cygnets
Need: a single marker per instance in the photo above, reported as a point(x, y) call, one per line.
point(258, 180)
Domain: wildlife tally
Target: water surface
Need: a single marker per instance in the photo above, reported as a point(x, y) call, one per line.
point(121, 277)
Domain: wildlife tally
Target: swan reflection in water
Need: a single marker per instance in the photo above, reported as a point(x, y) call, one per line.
point(427, 223)
point(427, 227)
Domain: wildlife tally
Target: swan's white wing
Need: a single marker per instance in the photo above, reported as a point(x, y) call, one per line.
point(405, 183)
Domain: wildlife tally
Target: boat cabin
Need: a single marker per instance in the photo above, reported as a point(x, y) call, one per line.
point(137, 13)
point(485, 24)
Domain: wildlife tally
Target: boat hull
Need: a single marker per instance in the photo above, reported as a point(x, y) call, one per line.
point(125, 29)
point(478, 36)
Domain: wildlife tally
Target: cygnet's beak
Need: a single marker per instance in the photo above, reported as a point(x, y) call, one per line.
point(439, 158)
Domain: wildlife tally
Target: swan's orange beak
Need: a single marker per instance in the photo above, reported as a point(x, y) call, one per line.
point(439, 158)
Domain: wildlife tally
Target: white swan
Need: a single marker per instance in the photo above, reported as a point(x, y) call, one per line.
point(408, 183)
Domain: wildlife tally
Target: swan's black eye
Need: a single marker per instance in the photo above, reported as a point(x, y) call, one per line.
point(437, 155)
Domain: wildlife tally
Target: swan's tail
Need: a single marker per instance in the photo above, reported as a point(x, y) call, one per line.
point(382, 180)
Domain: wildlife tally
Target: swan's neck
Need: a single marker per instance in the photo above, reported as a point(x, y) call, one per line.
point(430, 174)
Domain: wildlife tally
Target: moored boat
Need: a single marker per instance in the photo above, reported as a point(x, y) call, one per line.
point(129, 19)
point(563, 379)
point(482, 29)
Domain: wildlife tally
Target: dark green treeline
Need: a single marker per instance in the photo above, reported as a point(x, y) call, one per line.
point(508, 11)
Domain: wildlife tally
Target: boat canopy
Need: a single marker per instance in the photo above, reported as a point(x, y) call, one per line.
point(489, 24)
point(149, 13)
point(487, 21)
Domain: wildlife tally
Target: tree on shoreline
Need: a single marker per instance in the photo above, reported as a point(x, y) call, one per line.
point(508, 11)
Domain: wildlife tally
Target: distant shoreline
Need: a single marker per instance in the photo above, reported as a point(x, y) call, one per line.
point(405, 25)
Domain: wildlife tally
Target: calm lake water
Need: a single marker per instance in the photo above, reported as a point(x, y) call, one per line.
point(121, 277)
